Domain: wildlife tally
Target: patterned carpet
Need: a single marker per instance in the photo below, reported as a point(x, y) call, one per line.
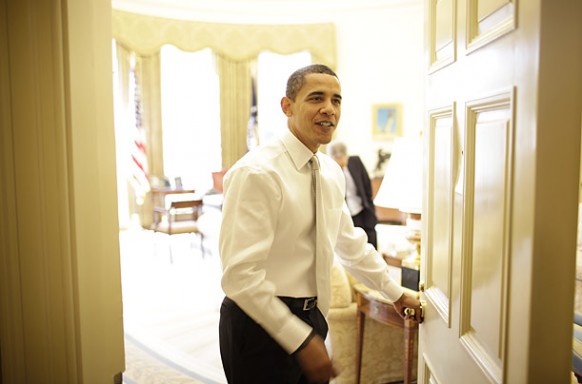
point(144, 366)
point(171, 307)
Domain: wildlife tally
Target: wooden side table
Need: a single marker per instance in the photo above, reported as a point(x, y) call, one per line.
point(379, 309)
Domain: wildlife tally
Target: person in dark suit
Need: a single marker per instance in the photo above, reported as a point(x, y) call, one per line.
point(358, 190)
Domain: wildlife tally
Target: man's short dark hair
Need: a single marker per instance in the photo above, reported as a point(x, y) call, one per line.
point(297, 78)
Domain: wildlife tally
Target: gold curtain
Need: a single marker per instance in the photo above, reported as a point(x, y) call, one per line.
point(152, 111)
point(147, 68)
point(123, 118)
point(146, 34)
point(235, 103)
point(123, 68)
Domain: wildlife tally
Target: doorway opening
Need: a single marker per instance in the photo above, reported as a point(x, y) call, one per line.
point(171, 289)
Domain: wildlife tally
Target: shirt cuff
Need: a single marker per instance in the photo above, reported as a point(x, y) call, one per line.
point(305, 342)
point(292, 334)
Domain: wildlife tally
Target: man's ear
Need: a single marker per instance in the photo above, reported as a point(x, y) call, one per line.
point(286, 106)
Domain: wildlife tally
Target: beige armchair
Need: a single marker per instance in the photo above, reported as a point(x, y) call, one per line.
point(383, 351)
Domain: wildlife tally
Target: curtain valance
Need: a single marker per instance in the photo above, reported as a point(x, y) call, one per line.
point(146, 34)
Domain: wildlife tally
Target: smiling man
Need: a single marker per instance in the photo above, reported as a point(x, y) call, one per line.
point(272, 321)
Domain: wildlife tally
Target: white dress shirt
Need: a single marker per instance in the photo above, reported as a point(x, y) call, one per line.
point(267, 236)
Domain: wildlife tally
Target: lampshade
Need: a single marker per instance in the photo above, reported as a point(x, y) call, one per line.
point(401, 187)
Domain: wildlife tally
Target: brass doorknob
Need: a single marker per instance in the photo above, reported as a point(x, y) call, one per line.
point(421, 286)
point(410, 313)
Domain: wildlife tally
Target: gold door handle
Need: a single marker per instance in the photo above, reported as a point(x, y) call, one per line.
point(421, 286)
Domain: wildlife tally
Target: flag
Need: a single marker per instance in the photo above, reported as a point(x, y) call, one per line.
point(139, 177)
point(252, 126)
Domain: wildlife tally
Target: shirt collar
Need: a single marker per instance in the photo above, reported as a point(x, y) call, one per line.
point(300, 154)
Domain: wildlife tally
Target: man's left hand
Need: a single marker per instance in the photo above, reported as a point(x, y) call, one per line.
point(408, 301)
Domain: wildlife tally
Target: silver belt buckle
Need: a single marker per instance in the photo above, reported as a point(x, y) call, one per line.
point(309, 303)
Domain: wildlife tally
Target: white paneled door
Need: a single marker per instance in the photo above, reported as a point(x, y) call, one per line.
point(502, 144)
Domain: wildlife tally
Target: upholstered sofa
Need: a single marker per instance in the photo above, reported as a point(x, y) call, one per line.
point(383, 360)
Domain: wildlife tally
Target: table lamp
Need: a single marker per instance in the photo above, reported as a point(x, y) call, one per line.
point(401, 189)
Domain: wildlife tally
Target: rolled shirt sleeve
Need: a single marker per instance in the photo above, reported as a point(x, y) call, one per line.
point(362, 260)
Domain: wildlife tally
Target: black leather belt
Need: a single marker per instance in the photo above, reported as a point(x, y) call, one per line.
point(303, 303)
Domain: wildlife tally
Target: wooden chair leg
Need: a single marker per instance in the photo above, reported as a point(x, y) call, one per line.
point(360, 321)
point(410, 329)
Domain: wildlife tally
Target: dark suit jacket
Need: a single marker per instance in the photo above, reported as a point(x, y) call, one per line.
point(364, 188)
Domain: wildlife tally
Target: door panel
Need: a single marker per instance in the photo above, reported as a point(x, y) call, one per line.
point(502, 149)
point(442, 42)
point(486, 8)
point(486, 224)
point(488, 20)
point(440, 249)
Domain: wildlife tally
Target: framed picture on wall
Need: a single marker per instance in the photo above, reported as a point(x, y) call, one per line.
point(387, 121)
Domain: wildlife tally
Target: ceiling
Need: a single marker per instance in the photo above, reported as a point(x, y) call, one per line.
point(255, 11)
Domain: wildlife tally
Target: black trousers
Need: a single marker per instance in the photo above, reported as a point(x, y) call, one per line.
point(251, 356)
point(367, 221)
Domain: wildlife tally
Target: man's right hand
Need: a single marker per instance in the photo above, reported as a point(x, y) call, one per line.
point(315, 361)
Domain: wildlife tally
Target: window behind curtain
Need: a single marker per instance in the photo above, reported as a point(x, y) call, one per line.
point(191, 109)
point(190, 116)
point(273, 70)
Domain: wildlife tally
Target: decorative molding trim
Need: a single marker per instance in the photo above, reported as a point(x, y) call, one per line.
point(445, 54)
point(495, 109)
point(484, 29)
point(440, 297)
point(481, 356)
point(426, 375)
point(38, 306)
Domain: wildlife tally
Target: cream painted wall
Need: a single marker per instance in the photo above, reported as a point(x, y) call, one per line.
point(380, 60)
